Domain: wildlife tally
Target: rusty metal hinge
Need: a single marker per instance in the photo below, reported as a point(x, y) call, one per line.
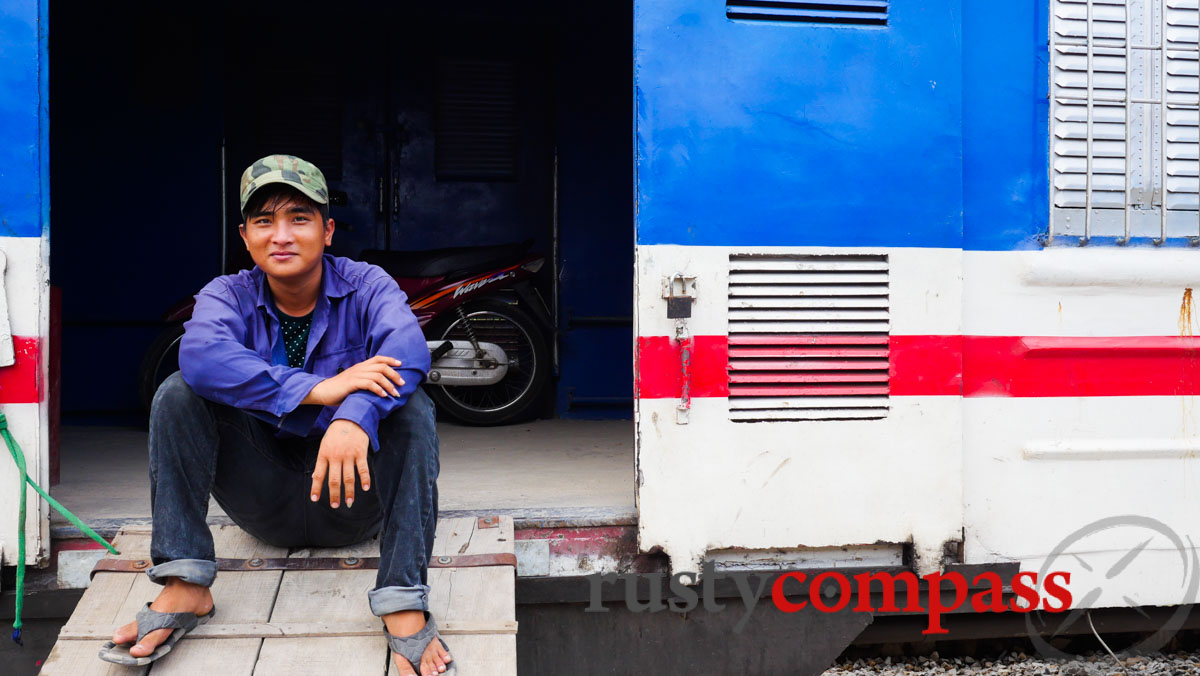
point(680, 292)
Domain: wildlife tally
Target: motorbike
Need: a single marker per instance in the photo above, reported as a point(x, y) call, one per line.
point(485, 324)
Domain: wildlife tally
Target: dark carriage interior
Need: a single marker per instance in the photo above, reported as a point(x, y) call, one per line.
point(464, 125)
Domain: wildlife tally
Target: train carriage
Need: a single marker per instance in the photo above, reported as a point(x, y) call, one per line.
point(913, 285)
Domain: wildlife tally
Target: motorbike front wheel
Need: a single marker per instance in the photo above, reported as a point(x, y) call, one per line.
point(506, 325)
point(160, 361)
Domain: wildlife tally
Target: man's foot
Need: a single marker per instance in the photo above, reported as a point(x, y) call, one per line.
point(176, 597)
point(433, 660)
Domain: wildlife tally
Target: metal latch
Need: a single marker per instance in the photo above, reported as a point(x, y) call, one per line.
point(680, 292)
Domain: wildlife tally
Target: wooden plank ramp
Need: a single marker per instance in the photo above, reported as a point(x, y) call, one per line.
point(272, 622)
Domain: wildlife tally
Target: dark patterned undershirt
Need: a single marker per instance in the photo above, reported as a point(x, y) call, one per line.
point(295, 336)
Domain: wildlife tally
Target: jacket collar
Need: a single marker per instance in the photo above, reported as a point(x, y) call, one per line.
point(333, 283)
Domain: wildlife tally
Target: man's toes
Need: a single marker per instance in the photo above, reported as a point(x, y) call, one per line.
point(149, 642)
point(432, 665)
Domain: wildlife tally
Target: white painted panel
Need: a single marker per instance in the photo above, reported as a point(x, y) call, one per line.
point(1079, 292)
point(28, 426)
point(1038, 469)
point(7, 353)
point(25, 280)
point(26, 286)
point(798, 484)
point(924, 286)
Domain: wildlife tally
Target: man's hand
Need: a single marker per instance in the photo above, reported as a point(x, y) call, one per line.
point(376, 374)
point(343, 449)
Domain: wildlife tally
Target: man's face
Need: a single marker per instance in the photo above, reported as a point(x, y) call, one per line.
point(286, 237)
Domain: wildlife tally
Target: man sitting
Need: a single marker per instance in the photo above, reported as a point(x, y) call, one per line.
point(297, 378)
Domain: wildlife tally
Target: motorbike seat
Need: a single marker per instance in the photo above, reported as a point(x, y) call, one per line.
point(459, 260)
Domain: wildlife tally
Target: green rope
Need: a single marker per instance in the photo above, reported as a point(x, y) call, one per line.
point(23, 477)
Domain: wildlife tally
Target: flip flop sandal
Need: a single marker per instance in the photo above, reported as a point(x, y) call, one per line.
point(412, 647)
point(151, 620)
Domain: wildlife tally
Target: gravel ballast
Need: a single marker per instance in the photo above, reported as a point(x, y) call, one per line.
point(1021, 664)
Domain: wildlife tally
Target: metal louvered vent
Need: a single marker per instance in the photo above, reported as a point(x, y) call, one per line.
point(852, 12)
point(808, 337)
point(1124, 97)
point(476, 135)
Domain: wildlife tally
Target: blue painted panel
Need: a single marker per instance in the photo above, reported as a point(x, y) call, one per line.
point(1006, 201)
point(592, 125)
point(753, 133)
point(22, 119)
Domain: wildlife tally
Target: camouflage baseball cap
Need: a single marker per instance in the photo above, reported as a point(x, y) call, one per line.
point(288, 169)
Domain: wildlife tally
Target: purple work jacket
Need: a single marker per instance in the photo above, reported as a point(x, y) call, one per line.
point(233, 352)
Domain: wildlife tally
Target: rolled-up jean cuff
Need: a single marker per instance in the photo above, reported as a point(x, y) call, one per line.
point(194, 571)
point(394, 599)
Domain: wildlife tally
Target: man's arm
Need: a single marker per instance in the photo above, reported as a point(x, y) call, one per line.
point(391, 330)
point(215, 362)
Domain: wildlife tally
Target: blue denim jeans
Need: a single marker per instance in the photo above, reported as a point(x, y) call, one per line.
point(198, 447)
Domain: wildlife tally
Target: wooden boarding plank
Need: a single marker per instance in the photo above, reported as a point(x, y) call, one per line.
point(200, 658)
point(108, 591)
point(102, 599)
point(496, 540)
point(451, 538)
point(80, 658)
point(100, 605)
point(453, 535)
point(240, 597)
point(365, 627)
point(248, 596)
point(482, 594)
point(286, 639)
point(335, 597)
point(363, 656)
point(479, 655)
point(440, 581)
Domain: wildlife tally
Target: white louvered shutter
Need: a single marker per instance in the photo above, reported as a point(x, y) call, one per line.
point(1182, 99)
point(1111, 104)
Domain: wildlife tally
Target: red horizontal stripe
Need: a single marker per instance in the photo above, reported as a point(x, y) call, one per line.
point(926, 365)
point(21, 382)
point(660, 367)
point(972, 366)
point(1081, 367)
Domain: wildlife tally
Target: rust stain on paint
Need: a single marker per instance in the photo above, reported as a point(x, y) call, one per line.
point(1185, 313)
